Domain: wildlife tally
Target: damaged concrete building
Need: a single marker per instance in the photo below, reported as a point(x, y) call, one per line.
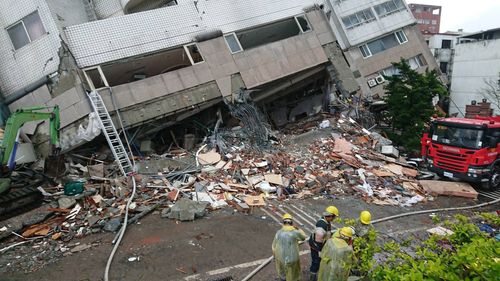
point(159, 62)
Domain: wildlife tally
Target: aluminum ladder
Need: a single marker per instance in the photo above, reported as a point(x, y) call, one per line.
point(109, 130)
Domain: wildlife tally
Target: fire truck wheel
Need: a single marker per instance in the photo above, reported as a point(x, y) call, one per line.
point(494, 181)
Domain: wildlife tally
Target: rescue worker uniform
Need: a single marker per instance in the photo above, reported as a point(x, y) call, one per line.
point(363, 225)
point(317, 246)
point(286, 252)
point(337, 258)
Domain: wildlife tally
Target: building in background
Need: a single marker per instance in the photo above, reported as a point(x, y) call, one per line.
point(373, 35)
point(476, 71)
point(428, 18)
point(442, 46)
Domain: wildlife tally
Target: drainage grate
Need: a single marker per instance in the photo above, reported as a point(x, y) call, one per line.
point(228, 278)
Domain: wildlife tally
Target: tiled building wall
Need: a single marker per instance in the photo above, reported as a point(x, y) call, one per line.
point(21, 67)
point(369, 67)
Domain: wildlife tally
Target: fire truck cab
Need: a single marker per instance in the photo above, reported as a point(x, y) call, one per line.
point(465, 149)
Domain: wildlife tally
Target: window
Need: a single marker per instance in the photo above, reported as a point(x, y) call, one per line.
point(389, 7)
point(193, 53)
point(358, 18)
point(446, 44)
point(265, 34)
point(434, 22)
point(415, 62)
point(436, 11)
point(443, 66)
point(27, 30)
point(95, 78)
point(382, 44)
point(303, 23)
point(233, 43)
point(401, 37)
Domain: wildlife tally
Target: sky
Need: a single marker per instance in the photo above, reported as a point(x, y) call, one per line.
point(470, 15)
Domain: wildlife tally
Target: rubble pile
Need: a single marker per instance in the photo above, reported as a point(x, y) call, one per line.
point(183, 185)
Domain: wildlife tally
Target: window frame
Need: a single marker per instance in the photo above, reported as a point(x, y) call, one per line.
point(404, 35)
point(237, 41)
point(386, 4)
point(189, 54)
point(366, 49)
point(90, 82)
point(360, 22)
point(300, 26)
point(21, 21)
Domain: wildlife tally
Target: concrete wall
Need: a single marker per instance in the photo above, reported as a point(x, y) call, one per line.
point(474, 65)
point(369, 67)
point(177, 90)
point(21, 67)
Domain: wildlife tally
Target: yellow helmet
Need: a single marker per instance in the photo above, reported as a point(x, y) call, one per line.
point(365, 217)
point(332, 210)
point(287, 217)
point(346, 232)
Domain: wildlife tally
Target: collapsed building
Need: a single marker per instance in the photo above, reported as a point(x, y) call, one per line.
point(155, 63)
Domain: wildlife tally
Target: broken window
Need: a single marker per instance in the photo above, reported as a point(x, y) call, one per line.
point(193, 53)
point(389, 7)
point(233, 43)
point(446, 44)
point(358, 18)
point(95, 78)
point(303, 23)
point(137, 68)
point(268, 33)
point(27, 30)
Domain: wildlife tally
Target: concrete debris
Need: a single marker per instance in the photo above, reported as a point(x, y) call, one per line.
point(113, 225)
point(187, 210)
point(461, 189)
point(440, 231)
point(300, 161)
point(66, 202)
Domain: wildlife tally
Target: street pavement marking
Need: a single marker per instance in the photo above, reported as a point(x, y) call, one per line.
point(229, 268)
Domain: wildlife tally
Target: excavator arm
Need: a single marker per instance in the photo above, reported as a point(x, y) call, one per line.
point(17, 120)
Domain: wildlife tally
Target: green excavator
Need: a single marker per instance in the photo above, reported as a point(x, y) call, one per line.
point(18, 188)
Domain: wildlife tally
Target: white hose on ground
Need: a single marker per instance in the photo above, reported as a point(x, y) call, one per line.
point(198, 153)
point(266, 262)
point(122, 231)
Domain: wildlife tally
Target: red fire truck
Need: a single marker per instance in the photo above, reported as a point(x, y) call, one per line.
point(465, 149)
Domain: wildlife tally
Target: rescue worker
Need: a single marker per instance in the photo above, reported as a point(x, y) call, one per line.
point(364, 224)
point(337, 257)
point(318, 238)
point(286, 250)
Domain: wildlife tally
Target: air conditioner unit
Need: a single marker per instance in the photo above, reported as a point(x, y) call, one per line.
point(380, 79)
point(372, 83)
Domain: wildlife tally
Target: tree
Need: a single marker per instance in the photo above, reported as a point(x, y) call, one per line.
point(409, 99)
point(491, 91)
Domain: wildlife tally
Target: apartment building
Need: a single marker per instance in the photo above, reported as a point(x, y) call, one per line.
point(375, 33)
point(158, 62)
point(428, 18)
point(476, 70)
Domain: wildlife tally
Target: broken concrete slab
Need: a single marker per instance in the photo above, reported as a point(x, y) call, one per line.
point(66, 202)
point(187, 210)
point(447, 188)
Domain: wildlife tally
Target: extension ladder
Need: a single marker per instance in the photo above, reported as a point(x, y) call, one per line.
point(109, 130)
